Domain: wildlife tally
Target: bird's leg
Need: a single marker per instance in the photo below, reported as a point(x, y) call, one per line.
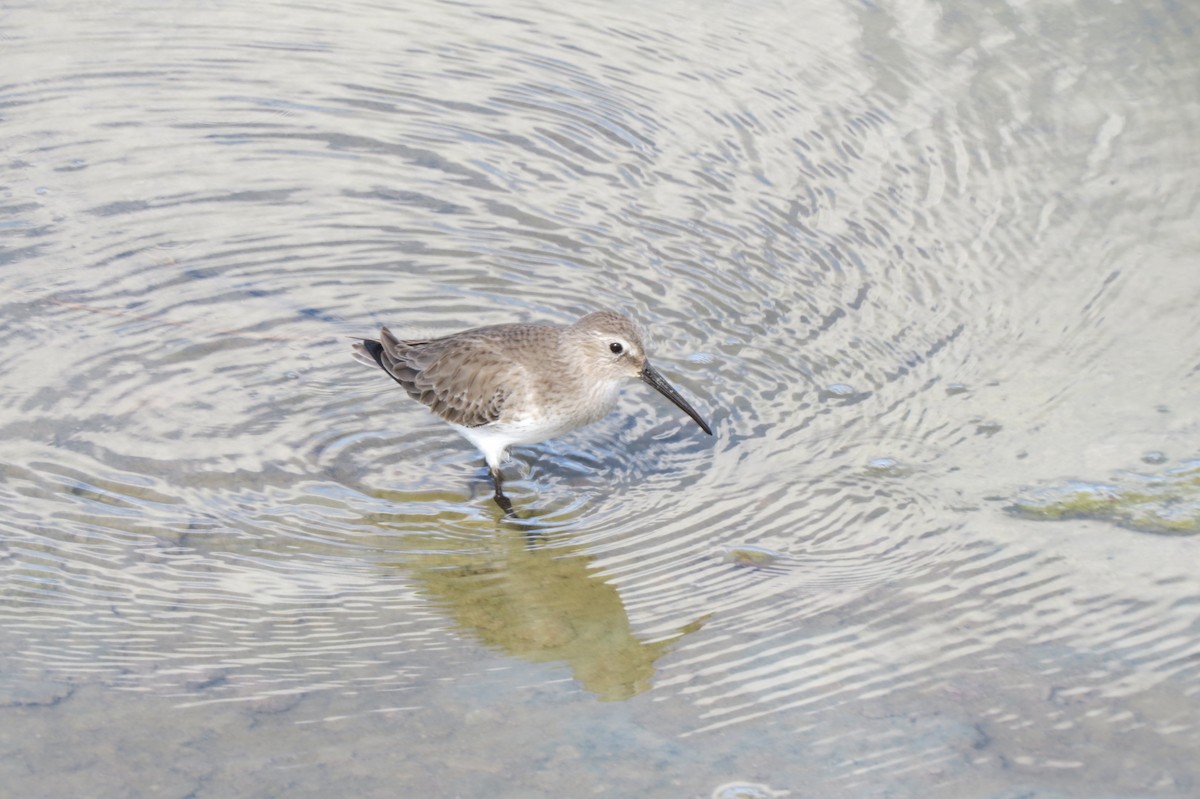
point(501, 500)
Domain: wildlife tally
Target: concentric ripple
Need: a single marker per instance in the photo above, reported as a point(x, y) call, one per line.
point(905, 260)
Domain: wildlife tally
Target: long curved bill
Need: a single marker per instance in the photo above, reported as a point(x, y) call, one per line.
point(651, 375)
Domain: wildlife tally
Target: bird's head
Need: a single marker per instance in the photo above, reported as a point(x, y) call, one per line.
point(612, 348)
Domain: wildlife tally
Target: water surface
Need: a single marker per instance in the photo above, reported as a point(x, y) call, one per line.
point(909, 260)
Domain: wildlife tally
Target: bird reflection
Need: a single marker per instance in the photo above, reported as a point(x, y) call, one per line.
point(543, 604)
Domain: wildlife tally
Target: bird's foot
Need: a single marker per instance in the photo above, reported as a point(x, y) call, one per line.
point(505, 504)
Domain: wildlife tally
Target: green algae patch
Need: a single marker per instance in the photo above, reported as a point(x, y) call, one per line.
point(1167, 503)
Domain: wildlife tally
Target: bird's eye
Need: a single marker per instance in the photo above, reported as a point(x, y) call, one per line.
point(616, 348)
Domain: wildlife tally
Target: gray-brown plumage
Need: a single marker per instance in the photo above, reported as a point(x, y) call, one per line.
point(520, 383)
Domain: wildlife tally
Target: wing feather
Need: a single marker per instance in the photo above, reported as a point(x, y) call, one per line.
point(465, 379)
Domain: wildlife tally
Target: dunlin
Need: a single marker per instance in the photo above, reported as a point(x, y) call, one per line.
point(521, 383)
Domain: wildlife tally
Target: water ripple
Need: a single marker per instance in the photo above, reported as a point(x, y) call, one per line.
point(899, 260)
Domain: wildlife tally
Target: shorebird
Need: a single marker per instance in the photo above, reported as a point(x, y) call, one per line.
point(520, 383)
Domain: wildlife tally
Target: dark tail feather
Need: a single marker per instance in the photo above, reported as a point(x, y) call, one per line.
point(387, 354)
point(373, 349)
point(370, 352)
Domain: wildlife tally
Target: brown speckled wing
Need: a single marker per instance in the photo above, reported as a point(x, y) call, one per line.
point(462, 378)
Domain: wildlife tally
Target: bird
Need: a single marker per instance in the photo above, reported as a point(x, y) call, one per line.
point(518, 384)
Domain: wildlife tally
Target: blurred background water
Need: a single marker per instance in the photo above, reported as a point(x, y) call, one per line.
point(910, 259)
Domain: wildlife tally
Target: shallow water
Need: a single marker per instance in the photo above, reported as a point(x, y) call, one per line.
point(909, 260)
